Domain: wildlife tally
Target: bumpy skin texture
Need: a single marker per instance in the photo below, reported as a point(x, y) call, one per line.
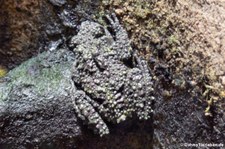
point(112, 82)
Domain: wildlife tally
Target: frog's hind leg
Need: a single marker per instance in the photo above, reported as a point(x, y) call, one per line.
point(85, 109)
point(148, 98)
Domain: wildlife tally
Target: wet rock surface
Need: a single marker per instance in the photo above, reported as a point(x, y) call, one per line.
point(36, 108)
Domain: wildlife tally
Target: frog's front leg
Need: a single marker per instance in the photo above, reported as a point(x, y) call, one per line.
point(86, 111)
point(114, 22)
point(122, 42)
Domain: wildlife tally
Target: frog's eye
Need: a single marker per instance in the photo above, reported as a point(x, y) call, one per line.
point(99, 32)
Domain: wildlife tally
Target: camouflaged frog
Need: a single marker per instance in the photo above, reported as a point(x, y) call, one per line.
point(111, 82)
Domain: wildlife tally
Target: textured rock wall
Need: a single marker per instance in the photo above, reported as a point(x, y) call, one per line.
point(20, 30)
point(27, 26)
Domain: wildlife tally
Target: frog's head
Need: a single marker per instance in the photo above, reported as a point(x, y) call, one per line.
point(92, 36)
point(92, 29)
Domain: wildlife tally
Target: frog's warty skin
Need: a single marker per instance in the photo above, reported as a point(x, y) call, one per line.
point(110, 86)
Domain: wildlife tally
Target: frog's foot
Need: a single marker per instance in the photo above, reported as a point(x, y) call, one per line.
point(86, 112)
point(143, 66)
point(114, 22)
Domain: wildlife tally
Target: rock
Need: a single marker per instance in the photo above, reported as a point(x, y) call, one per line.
point(58, 2)
point(38, 108)
point(19, 33)
point(222, 78)
point(69, 18)
point(28, 26)
point(119, 11)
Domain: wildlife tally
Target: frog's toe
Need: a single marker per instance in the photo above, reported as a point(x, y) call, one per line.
point(86, 112)
point(113, 20)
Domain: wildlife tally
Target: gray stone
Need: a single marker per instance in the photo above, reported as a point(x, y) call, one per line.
point(38, 108)
point(58, 2)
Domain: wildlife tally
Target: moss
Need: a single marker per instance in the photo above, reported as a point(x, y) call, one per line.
point(147, 22)
point(158, 32)
point(45, 80)
point(3, 71)
point(173, 39)
point(222, 94)
point(142, 11)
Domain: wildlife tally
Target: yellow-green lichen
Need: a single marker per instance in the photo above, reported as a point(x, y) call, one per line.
point(173, 39)
point(3, 71)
